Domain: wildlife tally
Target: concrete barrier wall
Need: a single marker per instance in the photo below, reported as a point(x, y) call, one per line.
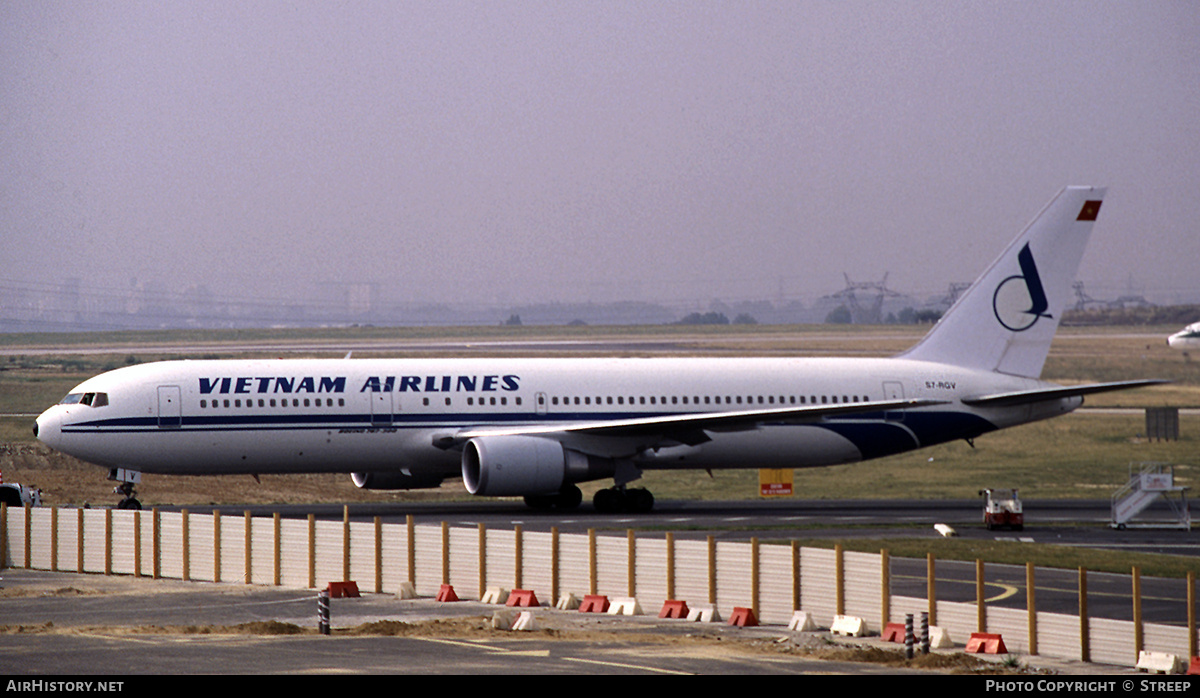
point(773, 580)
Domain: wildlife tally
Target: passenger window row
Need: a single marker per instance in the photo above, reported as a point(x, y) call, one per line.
point(263, 402)
point(481, 401)
point(754, 400)
point(100, 399)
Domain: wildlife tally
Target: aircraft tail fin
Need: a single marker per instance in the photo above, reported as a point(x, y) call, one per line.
point(1006, 320)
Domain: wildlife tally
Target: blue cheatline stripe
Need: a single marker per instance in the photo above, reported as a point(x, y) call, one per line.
point(243, 422)
point(870, 433)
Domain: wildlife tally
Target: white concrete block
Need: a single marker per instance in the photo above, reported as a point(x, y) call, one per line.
point(849, 625)
point(802, 621)
point(525, 621)
point(703, 614)
point(1158, 662)
point(495, 595)
point(407, 591)
point(624, 607)
point(939, 638)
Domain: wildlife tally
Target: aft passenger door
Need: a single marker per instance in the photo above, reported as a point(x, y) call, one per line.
point(170, 412)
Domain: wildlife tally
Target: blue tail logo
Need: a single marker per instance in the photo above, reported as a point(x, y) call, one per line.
point(1020, 301)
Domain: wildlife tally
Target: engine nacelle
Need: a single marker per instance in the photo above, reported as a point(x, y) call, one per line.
point(395, 480)
point(501, 466)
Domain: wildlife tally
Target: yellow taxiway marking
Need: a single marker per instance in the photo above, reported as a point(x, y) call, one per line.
point(1009, 590)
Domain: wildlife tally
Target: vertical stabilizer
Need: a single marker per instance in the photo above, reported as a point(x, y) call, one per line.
point(1007, 318)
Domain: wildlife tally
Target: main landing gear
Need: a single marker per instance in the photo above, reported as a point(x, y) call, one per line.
point(614, 500)
point(618, 500)
point(569, 497)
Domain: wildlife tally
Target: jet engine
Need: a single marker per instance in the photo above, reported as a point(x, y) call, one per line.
point(498, 466)
point(395, 480)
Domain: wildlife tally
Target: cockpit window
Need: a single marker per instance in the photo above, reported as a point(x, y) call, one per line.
point(90, 399)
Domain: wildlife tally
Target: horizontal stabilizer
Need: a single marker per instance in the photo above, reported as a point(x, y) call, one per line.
point(1024, 397)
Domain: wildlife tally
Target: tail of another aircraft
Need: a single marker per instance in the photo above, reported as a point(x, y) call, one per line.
point(1006, 320)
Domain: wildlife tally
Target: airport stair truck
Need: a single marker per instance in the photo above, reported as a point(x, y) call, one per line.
point(1154, 481)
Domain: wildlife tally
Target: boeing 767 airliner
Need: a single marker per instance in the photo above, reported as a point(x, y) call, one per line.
point(537, 427)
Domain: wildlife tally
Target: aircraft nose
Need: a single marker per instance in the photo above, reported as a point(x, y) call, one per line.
point(45, 428)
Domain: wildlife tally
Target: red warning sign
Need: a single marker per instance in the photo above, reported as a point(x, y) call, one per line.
point(775, 483)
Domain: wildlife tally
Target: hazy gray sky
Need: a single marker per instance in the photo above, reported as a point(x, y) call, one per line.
point(573, 151)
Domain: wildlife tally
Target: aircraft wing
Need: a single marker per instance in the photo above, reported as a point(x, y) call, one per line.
point(1023, 397)
point(688, 428)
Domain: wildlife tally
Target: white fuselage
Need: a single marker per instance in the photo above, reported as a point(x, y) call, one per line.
point(362, 415)
point(1187, 339)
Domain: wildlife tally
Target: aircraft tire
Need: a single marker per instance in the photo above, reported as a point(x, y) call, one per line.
point(609, 501)
point(617, 501)
point(568, 497)
point(539, 501)
point(639, 501)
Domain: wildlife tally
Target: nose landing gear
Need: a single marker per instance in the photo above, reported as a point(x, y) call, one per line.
point(127, 478)
point(130, 501)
